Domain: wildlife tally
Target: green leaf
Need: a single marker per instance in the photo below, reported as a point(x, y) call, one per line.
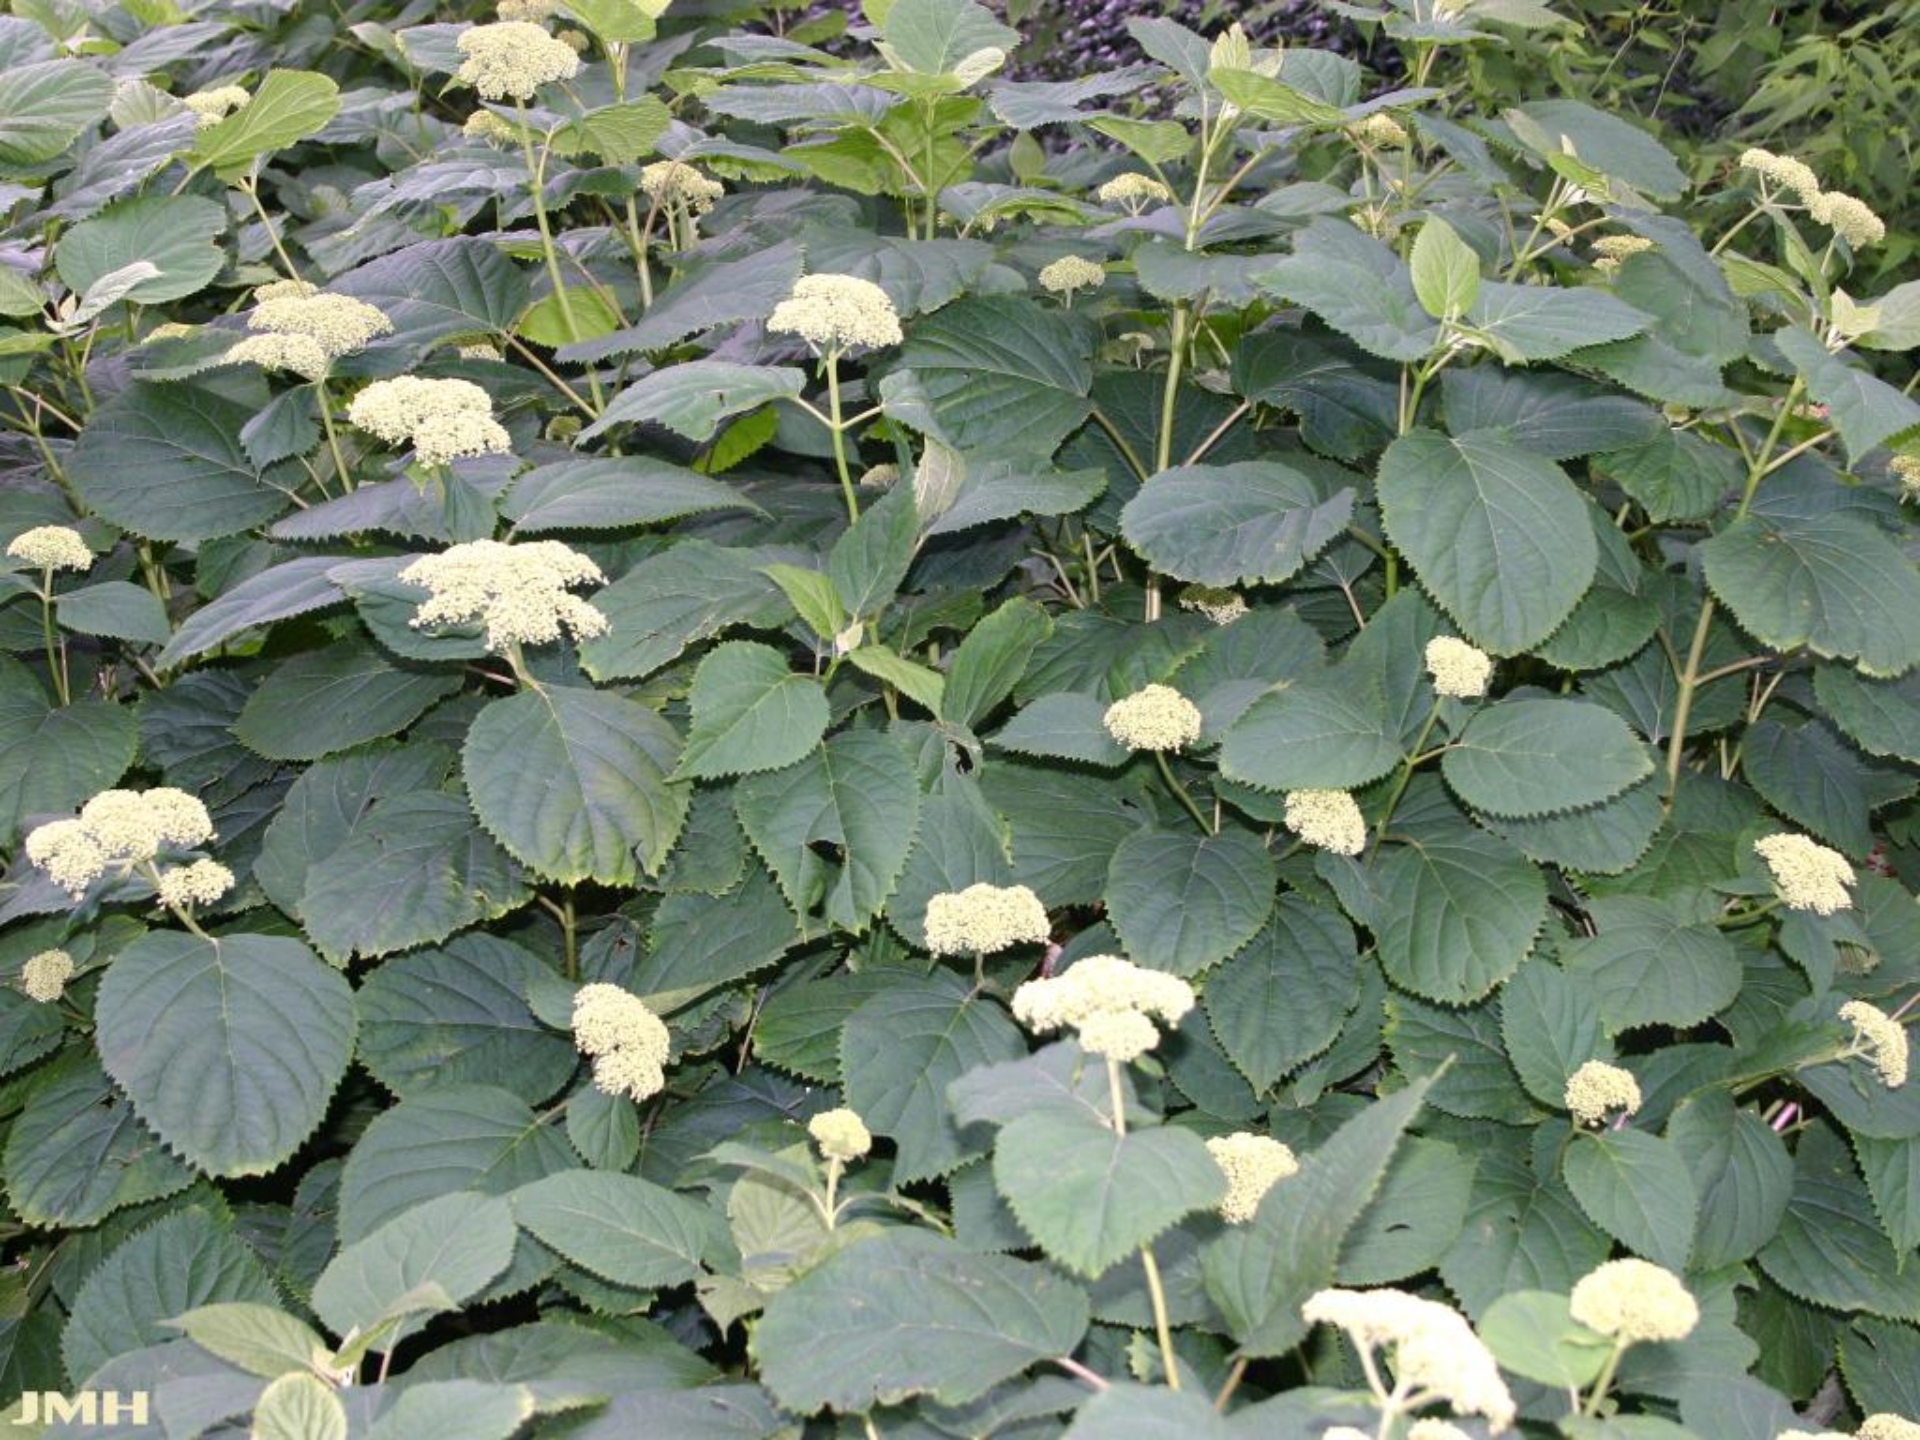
point(989, 662)
point(334, 698)
point(751, 712)
point(1260, 1273)
point(1743, 1174)
point(700, 942)
point(871, 557)
point(619, 134)
point(1652, 963)
point(1148, 1412)
point(994, 373)
point(1812, 776)
point(175, 234)
point(457, 1409)
point(933, 37)
point(1831, 583)
point(923, 686)
point(76, 1153)
point(1446, 270)
point(666, 603)
point(1606, 142)
point(260, 1339)
point(1415, 1217)
point(901, 1050)
point(1479, 1082)
point(447, 1249)
point(299, 1406)
point(692, 398)
point(1882, 717)
point(230, 1048)
point(1549, 1029)
point(415, 869)
point(1675, 476)
point(1522, 1233)
point(910, 1313)
point(1830, 1250)
point(1327, 730)
point(1459, 910)
point(1499, 536)
point(1601, 839)
point(287, 107)
point(1092, 1197)
point(291, 588)
point(1539, 322)
point(54, 758)
point(1283, 998)
point(812, 596)
point(612, 493)
point(856, 792)
point(1892, 1171)
point(620, 1227)
point(1273, 100)
point(1637, 1188)
point(178, 1263)
point(1256, 521)
point(115, 609)
point(618, 21)
point(166, 462)
point(1534, 1334)
point(1537, 757)
point(1182, 902)
point(1866, 410)
point(1882, 1366)
point(574, 783)
point(1063, 726)
point(1359, 287)
point(441, 289)
point(45, 106)
point(1159, 142)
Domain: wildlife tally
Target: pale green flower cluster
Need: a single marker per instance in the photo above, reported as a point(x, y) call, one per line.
point(1381, 131)
point(301, 355)
point(1157, 717)
point(51, 547)
point(879, 477)
point(518, 591)
point(1110, 1003)
point(1253, 1164)
point(1328, 820)
point(1784, 172)
point(117, 829)
point(1848, 216)
point(1218, 604)
point(442, 419)
point(184, 886)
point(840, 1134)
point(627, 1042)
point(982, 919)
point(210, 107)
point(1133, 190)
point(1614, 250)
point(1070, 273)
point(487, 126)
point(1881, 1038)
point(1906, 469)
point(1808, 875)
point(526, 10)
point(1596, 1090)
point(837, 312)
point(512, 59)
point(1885, 1426)
point(44, 977)
point(1459, 670)
point(670, 182)
point(1436, 1355)
point(1436, 1430)
point(1634, 1301)
point(306, 332)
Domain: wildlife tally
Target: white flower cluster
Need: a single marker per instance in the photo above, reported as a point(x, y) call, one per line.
point(1157, 717)
point(442, 419)
point(527, 10)
point(511, 60)
point(117, 829)
point(1109, 1002)
point(1906, 469)
point(210, 107)
point(982, 919)
point(628, 1043)
point(1885, 1426)
point(670, 182)
point(1436, 1355)
point(841, 1134)
point(1881, 1038)
point(1808, 875)
point(44, 977)
point(1220, 605)
point(1253, 1164)
point(1635, 1301)
point(836, 312)
point(1597, 1089)
point(1070, 273)
point(1133, 191)
point(1850, 218)
point(1459, 670)
point(519, 591)
point(182, 887)
point(1381, 131)
point(1783, 171)
point(1328, 820)
point(51, 547)
point(489, 127)
point(1613, 250)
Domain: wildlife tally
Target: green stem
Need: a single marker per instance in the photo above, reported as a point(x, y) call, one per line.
point(1173, 784)
point(1405, 778)
point(1156, 1291)
point(536, 176)
point(838, 430)
point(56, 670)
point(251, 188)
point(333, 436)
point(1597, 1396)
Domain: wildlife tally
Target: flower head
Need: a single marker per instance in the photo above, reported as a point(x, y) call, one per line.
point(1808, 875)
point(1252, 1164)
point(338, 324)
point(671, 182)
point(487, 126)
point(1879, 1037)
point(520, 591)
point(840, 1134)
point(1436, 1430)
point(628, 1042)
point(984, 918)
point(117, 828)
point(1132, 190)
point(441, 419)
point(1597, 1089)
point(478, 350)
point(284, 290)
point(1218, 604)
point(1458, 669)
point(1436, 1355)
point(1634, 1301)
point(513, 59)
point(1158, 717)
point(44, 977)
point(1070, 273)
point(69, 855)
point(528, 10)
point(1381, 131)
point(1783, 171)
point(879, 477)
point(1885, 1426)
point(201, 883)
point(632, 1073)
point(212, 106)
point(301, 354)
point(835, 312)
point(1850, 218)
point(51, 547)
point(1614, 249)
point(1906, 469)
point(1110, 1002)
point(1328, 820)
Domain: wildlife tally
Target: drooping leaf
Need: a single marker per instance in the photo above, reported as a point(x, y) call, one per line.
point(446, 1249)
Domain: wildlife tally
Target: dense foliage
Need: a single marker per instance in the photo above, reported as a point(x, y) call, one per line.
point(705, 737)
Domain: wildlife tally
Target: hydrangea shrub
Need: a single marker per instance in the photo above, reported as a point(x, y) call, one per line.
point(706, 737)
